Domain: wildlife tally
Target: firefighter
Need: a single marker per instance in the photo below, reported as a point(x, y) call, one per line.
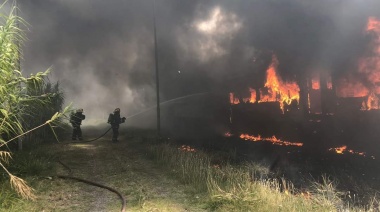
point(115, 120)
point(76, 120)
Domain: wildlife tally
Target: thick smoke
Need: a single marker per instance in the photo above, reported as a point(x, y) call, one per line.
point(102, 52)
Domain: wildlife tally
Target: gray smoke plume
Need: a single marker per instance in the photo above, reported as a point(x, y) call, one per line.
point(102, 52)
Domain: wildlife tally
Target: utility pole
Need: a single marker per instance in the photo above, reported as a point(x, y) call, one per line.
point(157, 73)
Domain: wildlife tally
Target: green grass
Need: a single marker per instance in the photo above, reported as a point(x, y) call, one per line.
point(31, 165)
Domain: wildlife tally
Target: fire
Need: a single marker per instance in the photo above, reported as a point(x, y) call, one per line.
point(272, 139)
point(372, 102)
point(350, 87)
point(343, 149)
point(373, 24)
point(277, 90)
point(253, 95)
point(368, 70)
point(186, 148)
point(339, 150)
point(370, 65)
point(315, 84)
point(234, 100)
point(329, 83)
point(228, 134)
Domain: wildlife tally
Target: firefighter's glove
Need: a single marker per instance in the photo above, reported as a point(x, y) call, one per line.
point(123, 120)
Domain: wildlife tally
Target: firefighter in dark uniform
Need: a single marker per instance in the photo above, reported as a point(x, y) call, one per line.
point(115, 120)
point(76, 120)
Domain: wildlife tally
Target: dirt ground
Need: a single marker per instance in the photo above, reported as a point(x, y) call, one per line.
point(123, 166)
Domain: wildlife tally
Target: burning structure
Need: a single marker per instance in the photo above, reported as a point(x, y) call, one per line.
point(318, 107)
point(319, 110)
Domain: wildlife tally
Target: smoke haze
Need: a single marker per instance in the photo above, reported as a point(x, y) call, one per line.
point(102, 52)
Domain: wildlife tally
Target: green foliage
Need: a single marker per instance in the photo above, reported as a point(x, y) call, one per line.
point(22, 99)
point(31, 163)
point(50, 100)
point(27, 164)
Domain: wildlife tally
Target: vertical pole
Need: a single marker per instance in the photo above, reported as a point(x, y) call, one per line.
point(323, 87)
point(19, 140)
point(157, 73)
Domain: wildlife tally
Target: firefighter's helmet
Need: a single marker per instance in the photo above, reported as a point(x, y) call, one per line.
point(80, 110)
point(116, 110)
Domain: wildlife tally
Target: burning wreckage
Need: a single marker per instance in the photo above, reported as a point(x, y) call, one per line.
point(319, 110)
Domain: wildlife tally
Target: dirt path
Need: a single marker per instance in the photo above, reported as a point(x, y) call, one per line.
point(122, 166)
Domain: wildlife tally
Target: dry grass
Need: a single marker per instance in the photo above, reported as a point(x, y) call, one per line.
point(247, 187)
point(202, 186)
point(22, 188)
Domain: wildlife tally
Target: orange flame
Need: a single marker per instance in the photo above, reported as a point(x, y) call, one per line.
point(277, 90)
point(234, 100)
point(272, 139)
point(369, 68)
point(372, 102)
point(343, 149)
point(253, 95)
point(339, 150)
point(315, 84)
point(350, 87)
point(370, 65)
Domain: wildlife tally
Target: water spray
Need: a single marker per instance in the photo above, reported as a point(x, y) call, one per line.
point(144, 111)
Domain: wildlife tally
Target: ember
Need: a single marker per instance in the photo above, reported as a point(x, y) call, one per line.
point(343, 149)
point(186, 148)
point(272, 139)
point(228, 134)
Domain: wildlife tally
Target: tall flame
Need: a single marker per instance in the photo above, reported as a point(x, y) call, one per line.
point(368, 69)
point(253, 95)
point(277, 90)
point(370, 65)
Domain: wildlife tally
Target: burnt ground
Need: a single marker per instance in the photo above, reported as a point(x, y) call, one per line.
point(354, 174)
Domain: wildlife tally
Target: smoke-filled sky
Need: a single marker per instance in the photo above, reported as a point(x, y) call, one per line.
point(102, 52)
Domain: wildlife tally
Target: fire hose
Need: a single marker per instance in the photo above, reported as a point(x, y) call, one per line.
point(90, 139)
point(123, 201)
point(88, 181)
